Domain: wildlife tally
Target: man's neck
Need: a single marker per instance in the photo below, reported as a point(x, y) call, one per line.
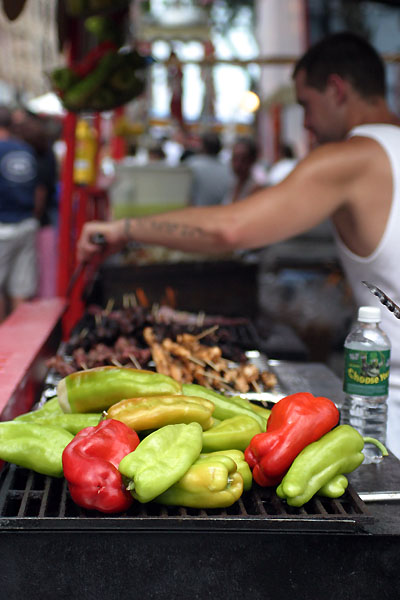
point(373, 112)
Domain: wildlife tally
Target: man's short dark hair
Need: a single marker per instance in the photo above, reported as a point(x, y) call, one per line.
point(5, 117)
point(348, 55)
point(211, 143)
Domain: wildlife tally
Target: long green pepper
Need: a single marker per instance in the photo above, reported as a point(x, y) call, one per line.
point(34, 446)
point(161, 459)
point(225, 407)
point(337, 452)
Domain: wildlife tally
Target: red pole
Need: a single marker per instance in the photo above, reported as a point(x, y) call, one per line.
point(66, 259)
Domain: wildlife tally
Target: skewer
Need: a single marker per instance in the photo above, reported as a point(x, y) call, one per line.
point(200, 318)
point(109, 306)
point(83, 365)
point(255, 386)
point(217, 378)
point(116, 362)
point(211, 364)
point(197, 361)
point(83, 333)
point(135, 361)
point(97, 319)
point(133, 301)
point(206, 332)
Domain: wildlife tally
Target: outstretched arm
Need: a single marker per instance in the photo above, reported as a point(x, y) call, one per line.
point(311, 193)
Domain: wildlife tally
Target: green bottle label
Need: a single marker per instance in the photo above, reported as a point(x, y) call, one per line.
point(366, 373)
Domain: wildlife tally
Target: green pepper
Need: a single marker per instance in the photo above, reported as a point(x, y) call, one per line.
point(337, 452)
point(209, 483)
point(225, 407)
point(153, 412)
point(34, 446)
point(78, 95)
point(241, 464)
point(52, 414)
point(160, 460)
point(95, 390)
point(335, 488)
point(258, 408)
point(234, 433)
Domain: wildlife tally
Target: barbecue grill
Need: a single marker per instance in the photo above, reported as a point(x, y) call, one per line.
point(257, 549)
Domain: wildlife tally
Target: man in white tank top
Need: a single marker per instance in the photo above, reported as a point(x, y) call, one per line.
point(352, 177)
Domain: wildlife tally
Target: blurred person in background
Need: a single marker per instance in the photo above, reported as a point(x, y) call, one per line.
point(212, 178)
point(351, 177)
point(38, 133)
point(285, 163)
point(243, 161)
point(21, 209)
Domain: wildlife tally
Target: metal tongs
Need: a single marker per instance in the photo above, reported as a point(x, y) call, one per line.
point(383, 299)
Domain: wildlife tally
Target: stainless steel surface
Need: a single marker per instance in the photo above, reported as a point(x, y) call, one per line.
point(379, 496)
point(383, 299)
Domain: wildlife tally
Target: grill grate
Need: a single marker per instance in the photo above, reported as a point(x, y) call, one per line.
point(30, 500)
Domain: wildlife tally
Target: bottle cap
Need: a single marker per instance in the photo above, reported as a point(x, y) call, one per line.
point(369, 314)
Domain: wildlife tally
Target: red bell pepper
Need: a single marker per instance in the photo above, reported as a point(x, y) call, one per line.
point(90, 464)
point(295, 421)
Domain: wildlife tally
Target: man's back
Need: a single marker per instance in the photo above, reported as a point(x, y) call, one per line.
point(18, 172)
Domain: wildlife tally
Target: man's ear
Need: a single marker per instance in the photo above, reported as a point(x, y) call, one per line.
point(338, 87)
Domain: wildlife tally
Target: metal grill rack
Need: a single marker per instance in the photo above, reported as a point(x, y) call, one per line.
point(29, 500)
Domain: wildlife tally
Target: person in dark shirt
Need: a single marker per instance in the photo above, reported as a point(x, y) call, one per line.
point(36, 131)
point(18, 218)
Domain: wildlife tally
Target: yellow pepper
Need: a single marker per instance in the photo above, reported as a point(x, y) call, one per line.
point(153, 412)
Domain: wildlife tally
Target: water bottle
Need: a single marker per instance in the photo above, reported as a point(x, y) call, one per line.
point(366, 379)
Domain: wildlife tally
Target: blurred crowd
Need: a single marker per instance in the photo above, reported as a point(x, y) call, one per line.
point(29, 183)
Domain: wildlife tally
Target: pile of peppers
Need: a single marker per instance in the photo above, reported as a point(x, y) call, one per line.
point(120, 435)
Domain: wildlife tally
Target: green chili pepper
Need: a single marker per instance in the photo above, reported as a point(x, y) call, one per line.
point(225, 407)
point(233, 433)
point(160, 460)
point(209, 483)
point(34, 446)
point(95, 390)
point(335, 488)
point(51, 414)
point(337, 452)
point(241, 464)
point(152, 412)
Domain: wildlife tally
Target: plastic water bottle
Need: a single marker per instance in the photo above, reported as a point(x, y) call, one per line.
point(366, 379)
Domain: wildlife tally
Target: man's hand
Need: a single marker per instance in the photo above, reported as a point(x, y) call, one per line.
point(114, 236)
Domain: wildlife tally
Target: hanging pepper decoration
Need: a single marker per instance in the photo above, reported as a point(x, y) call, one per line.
point(295, 421)
point(91, 462)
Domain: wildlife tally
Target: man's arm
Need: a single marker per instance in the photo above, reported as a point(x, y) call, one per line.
point(311, 193)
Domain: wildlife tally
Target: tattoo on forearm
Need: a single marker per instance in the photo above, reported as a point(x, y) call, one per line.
point(176, 229)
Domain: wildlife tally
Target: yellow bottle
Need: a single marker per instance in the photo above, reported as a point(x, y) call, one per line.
point(85, 154)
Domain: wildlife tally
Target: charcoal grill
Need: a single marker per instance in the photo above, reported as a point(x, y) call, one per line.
point(258, 549)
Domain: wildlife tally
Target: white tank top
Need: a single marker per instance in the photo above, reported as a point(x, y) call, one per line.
point(382, 268)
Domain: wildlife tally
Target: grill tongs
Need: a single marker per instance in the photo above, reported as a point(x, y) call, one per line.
point(383, 299)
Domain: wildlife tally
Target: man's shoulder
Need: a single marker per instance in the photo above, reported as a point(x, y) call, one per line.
point(15, 145)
